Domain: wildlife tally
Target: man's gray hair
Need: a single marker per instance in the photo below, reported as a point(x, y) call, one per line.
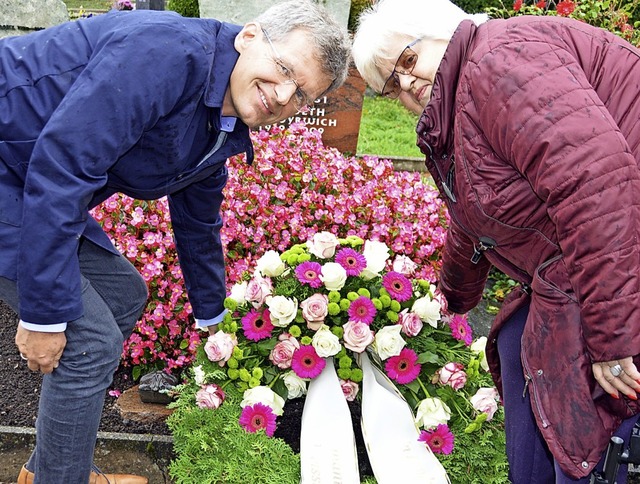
point(331, 41)
point(382, 25)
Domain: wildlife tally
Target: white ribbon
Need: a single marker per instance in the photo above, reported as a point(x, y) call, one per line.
point(391, 434)
point(328, 452)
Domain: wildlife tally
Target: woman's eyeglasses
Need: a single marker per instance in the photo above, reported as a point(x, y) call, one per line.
point(404, 65)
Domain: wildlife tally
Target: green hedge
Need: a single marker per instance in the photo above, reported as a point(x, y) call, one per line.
point(186, 8)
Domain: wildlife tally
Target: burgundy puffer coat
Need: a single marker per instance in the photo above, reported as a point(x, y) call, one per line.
point(532, 134)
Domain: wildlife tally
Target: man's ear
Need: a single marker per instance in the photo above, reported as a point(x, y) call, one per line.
point(249, 33)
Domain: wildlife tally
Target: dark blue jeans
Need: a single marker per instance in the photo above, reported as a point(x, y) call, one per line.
point(71, 398)
point(530, 461)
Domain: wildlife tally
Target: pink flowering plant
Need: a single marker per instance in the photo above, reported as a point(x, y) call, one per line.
point(340, 297)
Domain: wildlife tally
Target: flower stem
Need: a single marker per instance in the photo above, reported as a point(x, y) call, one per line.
point(424, 389)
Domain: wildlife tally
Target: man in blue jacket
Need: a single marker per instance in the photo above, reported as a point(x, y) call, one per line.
point(148, 104)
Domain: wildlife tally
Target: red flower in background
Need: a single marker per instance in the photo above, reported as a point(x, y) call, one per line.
point(565, 8)
point(517, 5)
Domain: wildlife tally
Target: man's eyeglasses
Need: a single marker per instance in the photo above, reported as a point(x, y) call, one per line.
point(404, 65)
point(300, 99)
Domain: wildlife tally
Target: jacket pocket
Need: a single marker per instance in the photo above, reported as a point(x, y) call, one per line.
point(16, 153)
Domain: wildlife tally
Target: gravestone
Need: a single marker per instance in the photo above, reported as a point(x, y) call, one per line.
point(243, 11)
point(337, 115)
point(149, 4)
point(18, 17)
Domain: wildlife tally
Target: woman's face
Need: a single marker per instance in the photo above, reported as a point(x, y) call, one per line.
point(414, 82)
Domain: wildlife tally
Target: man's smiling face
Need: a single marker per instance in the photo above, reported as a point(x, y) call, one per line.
point(260, 90)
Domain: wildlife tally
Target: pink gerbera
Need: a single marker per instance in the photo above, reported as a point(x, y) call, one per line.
point(309, 273)
point(403, 368)
point(352, 261)
point(440, 440)
point(398, 286)
point(258, 416)
point(362, 310)
point(460, 329)
point(257, 325)
point(306, 363)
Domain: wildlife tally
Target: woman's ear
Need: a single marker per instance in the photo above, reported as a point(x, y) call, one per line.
point(249, 33)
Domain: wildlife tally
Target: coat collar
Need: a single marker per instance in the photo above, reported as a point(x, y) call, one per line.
point(435, 127)
point(223, 61)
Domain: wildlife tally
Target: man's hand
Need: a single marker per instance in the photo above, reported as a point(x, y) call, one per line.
point(618, 376)
point(212, 329)
point(41, 350)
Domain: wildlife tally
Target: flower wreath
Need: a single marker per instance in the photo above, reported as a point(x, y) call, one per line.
point(332, 299)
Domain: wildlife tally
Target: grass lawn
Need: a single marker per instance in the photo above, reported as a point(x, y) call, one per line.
point(89, 4)
point(387, 129)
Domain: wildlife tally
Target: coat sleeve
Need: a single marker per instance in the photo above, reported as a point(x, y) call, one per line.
point(133, 78)
point(461, 281)
point(541, 114)
point(196, 222)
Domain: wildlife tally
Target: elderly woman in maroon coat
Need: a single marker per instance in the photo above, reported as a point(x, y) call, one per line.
point(530, 127)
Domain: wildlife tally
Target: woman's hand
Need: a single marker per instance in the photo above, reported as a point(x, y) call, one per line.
point(627, 382)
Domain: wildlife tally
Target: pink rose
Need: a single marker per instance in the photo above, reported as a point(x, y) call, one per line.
point(404, 265)
point(314, 310)
point(357, 336)
point(258, 289)
point(452, 374)
point(210, 396)
point(219, 347)
point(323, 245)
point(410, 322)
point(350, 389)
point(282, 352)
point(486, 400)
point(438, 296)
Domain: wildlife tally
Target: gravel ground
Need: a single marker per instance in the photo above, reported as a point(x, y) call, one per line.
point(19, 388)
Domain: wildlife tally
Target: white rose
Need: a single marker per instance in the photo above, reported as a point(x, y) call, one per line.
point(428, 309)
point(388, 341)
point(238, 293)
point(480, 346)
point(270, 264)
point(296, 386)
point(376, 254)
point(323, 245)
point(404, 265)
point(325, 342)
point(431, 413)
point(282, 310)
point(198, 375)
point(264, 395)
point(333, 276)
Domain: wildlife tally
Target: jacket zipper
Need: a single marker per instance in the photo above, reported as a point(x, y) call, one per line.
point(534, 391)
point(484, 243)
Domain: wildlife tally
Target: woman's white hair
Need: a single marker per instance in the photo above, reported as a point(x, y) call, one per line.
point(387, 21)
